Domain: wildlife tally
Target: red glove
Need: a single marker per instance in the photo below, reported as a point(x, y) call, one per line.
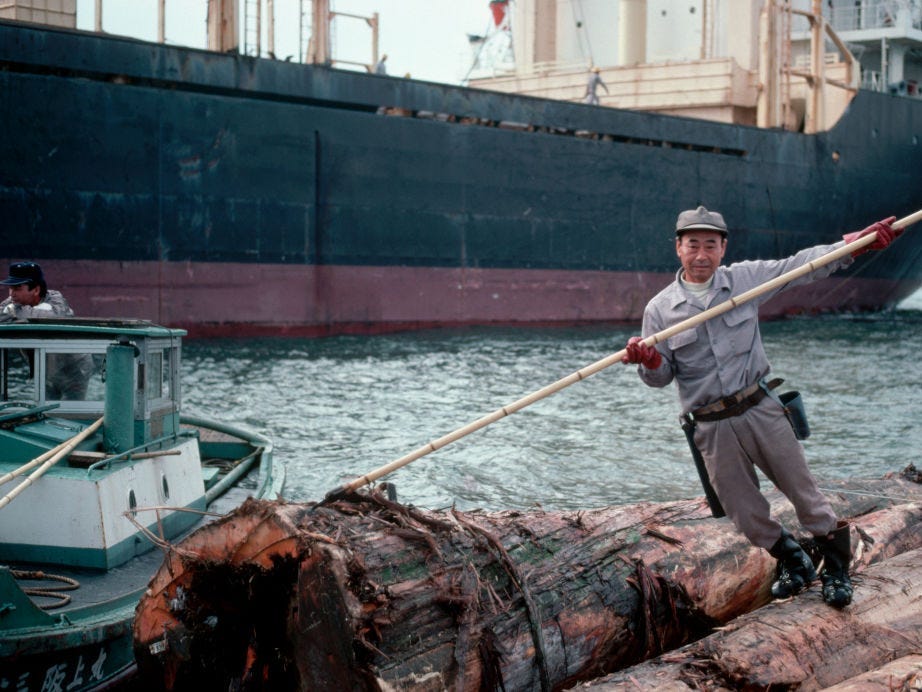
point(885, 236)
point(639, 352)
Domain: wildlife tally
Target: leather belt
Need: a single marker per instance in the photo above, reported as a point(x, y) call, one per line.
point(737, 403)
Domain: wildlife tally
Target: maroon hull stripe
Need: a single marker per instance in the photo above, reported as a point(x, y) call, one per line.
point(227, 299)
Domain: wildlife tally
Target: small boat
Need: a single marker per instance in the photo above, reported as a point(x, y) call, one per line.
point(99, 468)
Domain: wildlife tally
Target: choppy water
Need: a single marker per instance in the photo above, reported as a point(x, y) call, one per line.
point(340, 407)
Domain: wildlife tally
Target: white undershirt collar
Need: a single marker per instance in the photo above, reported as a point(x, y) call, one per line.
point(698, 290)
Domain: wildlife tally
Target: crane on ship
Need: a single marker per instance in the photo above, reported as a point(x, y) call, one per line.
point(493, 50)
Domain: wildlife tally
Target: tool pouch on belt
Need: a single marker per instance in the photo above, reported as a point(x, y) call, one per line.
point(793, 406)
point(688, 425)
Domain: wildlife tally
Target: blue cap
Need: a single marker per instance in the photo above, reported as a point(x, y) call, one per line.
point(23, 273)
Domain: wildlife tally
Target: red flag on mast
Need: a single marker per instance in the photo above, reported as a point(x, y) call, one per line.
point(498, 8)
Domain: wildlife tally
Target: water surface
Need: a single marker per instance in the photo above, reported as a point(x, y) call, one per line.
point(340, 407)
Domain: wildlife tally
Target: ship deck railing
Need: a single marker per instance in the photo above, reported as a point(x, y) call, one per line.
point(877, 14)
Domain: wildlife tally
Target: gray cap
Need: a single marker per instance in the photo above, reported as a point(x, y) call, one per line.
point(700, 219)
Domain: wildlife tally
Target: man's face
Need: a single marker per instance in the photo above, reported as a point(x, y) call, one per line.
point(700, 253)
point(23, 295)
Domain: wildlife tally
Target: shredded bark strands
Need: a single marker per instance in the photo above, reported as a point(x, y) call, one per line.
point(803, 644)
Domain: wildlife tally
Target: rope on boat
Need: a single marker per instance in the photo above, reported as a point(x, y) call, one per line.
point(53, 592)
point(160, 541)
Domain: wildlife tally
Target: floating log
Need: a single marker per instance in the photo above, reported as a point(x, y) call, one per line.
point(371, 594)
point(802, 643)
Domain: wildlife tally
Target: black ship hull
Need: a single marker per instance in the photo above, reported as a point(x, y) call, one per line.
point(229, 194)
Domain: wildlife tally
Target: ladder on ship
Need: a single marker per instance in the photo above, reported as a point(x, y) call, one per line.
point(252, 27)
point(305, 29)
point(784, 88)
point(315, 21)
point(317, 34)
point(314, 37)
point(708, 18)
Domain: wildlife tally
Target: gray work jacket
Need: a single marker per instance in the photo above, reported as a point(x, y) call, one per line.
point(724, 354)
point(54, 304)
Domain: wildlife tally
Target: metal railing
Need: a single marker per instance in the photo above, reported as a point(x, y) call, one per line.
point(872, 81)
point(877, 14)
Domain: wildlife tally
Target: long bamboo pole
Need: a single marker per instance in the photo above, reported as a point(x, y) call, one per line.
point(29, 465)
point(599, 365)
point(54, 459)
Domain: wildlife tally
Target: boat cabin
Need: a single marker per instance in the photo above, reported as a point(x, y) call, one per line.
point(95, 471)
point(70, 368)
point(58, 376)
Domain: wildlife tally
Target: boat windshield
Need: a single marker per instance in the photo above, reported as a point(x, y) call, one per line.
point(48, 375)
point(72, 374)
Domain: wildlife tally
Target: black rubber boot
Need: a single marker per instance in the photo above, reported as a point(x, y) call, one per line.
point(795, 568)
point(836, 548)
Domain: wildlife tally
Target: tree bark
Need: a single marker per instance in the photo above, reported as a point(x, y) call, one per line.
point(369, 594)
point(802, 643)
point(902, 674)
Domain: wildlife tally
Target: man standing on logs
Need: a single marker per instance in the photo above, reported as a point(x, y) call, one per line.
point(721, 371)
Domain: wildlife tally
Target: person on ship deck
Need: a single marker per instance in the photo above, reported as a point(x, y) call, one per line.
point(739, 424)
point(595, 81)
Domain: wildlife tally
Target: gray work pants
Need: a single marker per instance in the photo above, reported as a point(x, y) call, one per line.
point(761, 437)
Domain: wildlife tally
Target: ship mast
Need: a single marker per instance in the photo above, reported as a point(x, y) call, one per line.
point(222, 25)
point(318, 47)
point(776, 68)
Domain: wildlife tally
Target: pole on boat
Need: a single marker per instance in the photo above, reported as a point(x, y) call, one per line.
point(63, 450)
point(29, 465)
point(599, 365)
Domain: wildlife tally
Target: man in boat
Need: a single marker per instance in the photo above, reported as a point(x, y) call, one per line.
point(68, 373)
point(30, 295)
point(721, 372)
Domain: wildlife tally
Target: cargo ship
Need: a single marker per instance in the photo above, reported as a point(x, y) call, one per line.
point(232, 194)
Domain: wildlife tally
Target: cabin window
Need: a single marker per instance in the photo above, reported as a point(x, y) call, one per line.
point(159, 374)
point(154, 375)
point(73, 377)
point(52, 374)
point(167, 376)
point(18, 366)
